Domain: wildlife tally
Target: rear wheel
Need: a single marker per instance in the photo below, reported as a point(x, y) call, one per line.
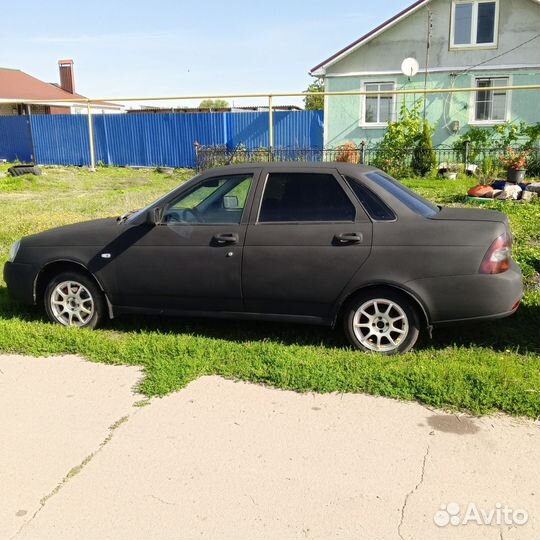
point(73, 299)
point(382, 321)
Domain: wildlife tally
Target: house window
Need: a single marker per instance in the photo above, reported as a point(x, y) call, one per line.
point(491, 105)
point(378, 109)
point(474, 23)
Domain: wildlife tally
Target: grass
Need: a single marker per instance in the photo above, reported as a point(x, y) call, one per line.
point(489, 367)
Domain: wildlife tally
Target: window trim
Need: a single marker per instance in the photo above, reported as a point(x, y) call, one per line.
point(330, 173)
point(474, 26)
point(363, 105)
point(507, 113)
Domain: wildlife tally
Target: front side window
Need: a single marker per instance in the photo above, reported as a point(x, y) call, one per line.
point(406, 196)
point(491, 105)
point(379, 109)
point(214, 201)
point(474, 23)
point(304, 197)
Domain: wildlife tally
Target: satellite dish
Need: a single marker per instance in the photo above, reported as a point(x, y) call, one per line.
point(410, 67)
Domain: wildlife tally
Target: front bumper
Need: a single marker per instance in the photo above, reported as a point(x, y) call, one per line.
point(470, 298)
point(20, 281)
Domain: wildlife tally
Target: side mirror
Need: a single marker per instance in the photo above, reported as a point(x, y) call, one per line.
point(230, 202)
point(154, 216)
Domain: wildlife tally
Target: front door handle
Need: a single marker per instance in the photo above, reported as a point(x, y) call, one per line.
point(349, 238)
point(226, 238)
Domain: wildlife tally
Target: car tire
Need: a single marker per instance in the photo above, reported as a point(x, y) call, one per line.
point(74, 299)
point(381, 321)
point(20, 170)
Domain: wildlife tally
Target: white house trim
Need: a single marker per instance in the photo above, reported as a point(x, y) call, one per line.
point(474, 26)
point(376, 125)
point(489, 123)
point(325, 123)
point(457, 70)
point(321, 69)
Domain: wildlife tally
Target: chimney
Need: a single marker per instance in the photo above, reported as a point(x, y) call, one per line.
point(67, 77)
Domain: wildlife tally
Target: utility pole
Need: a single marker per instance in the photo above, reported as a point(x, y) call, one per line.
point(428, 47)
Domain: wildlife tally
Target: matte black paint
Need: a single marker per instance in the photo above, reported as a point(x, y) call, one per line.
point(282, 271)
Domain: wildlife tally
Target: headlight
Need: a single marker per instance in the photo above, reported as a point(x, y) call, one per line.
point(13, 250)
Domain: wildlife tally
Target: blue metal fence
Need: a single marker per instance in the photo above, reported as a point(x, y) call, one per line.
point(61, 139)
point(161, 139)
point(15, 138)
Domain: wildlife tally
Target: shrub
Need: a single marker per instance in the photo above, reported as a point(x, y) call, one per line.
point(394, 151)
point(348, 153)
point(423, 159)
point(534, 164)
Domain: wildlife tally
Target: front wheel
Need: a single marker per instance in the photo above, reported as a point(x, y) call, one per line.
point(73, 299)
point(382, 322)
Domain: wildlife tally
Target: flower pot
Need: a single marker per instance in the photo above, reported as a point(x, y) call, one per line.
point(516, 175)
point(450, 175)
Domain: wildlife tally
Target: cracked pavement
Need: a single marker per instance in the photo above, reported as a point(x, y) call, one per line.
point(222, 459)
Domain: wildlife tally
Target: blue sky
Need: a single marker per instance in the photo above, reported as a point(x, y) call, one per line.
point(162, 47)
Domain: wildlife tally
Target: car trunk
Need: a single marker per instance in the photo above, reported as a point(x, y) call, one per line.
point(470, 214)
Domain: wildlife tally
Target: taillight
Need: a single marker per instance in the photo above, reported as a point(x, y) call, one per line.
point(497, 259)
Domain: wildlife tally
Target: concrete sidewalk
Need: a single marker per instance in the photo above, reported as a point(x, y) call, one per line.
point(231, 460)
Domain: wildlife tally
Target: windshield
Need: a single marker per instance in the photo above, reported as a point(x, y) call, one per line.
point(407, 196)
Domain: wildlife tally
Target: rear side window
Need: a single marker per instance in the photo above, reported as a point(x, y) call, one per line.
point(407, 196)
point(297, 197)
point(374, 206)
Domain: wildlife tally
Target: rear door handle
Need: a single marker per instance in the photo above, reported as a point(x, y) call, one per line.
point(350, 238)
point(226, 238)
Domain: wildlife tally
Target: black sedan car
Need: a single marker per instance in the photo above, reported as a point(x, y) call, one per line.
point(314, 243)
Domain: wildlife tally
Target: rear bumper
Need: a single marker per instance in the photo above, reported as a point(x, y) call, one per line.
point(20, 282)
point(470, 298)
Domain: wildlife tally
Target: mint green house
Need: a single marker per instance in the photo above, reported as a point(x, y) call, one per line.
point(479, 44)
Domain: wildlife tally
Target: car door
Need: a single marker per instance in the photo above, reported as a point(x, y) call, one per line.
point(307, 237)
point(191, 261)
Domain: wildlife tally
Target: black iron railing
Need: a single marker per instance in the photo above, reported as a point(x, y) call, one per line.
point(443, 157)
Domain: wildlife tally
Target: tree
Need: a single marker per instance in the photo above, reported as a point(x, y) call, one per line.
point(214, 104)
point(315, 103)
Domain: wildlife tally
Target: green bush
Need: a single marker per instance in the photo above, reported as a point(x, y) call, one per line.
point(423, 159)
point(393, 153)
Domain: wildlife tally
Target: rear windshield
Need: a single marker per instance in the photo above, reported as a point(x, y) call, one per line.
point(407, 196)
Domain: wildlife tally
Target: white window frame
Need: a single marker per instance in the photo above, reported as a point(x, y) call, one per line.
point(474, 25)
point(507, 114)
point(363, 107)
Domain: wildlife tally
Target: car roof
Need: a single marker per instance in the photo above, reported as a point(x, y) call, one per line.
point(350, 168)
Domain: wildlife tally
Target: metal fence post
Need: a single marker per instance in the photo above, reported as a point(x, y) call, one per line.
point(467, 155)
point(91, 138)
point(270, 125)
point(363, 152)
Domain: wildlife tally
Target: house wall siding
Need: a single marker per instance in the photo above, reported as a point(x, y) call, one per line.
point(519, 21)
point(344, 113)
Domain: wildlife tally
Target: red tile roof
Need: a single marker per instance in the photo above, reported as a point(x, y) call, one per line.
point(18, 85)
point(15, 84)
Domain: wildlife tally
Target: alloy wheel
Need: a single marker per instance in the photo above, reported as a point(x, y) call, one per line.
point(72, 304)
point(380, 325)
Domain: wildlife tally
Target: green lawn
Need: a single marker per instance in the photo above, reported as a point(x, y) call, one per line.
point(482, 368)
